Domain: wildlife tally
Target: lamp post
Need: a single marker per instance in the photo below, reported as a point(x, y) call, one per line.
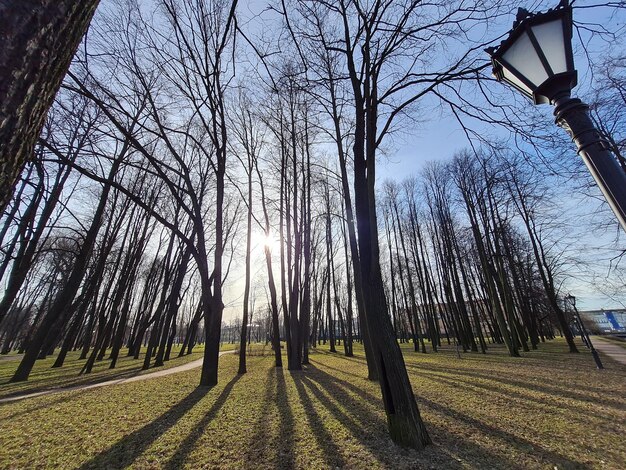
point(583, 332)
point(537, 60)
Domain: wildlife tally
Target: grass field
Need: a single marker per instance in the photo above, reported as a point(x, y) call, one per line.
point(549, 409)
point(44, 377)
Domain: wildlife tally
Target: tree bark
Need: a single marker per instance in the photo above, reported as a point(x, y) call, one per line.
point(39, 39)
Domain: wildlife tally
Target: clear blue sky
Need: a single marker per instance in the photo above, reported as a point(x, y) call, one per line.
point(438, 136)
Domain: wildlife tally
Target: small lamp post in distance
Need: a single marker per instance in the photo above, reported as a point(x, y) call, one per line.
point(583, 331)
point(537, 60)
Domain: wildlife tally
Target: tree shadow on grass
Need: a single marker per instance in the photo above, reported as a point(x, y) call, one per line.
point(63, 384)
point(574, 414)
point(373, 399)
point(66, 396)
point(127, 449)
point(520, 444)
point(69, 376)
point(370, 429)
point(344, 372)
point(324, 438)
point(186, 446)
point(338, 355)
point(260, 435)
point(549, 389)
point(264, 439)
point(353, 415)
point(285, 452)
point(447, 452)
point(572, 409)
point(553, 357)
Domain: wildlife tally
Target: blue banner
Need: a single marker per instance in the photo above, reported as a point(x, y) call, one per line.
point(610, 316)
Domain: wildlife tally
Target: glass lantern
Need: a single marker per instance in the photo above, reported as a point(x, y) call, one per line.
point(536, 58)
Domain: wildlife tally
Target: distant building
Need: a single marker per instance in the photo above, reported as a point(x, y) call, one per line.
point(605, 321)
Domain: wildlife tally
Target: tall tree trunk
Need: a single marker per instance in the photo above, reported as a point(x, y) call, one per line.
point(39, 39)
point(405, 423)
point(372, 370)
point(278, 361)
point(246, 288)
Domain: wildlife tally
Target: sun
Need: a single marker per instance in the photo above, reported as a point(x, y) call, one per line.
point(266, 240)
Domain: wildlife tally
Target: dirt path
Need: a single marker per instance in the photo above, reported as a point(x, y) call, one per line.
point(11, 358)
point(152, 375)
point(615, 352)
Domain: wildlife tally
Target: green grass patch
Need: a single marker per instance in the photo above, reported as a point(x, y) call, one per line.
point(44, 377)
point(227, 346)
point(257, 349)
point(548, 409)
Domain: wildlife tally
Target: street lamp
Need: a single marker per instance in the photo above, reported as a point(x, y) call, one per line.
point(536, 59)
point(583, 332)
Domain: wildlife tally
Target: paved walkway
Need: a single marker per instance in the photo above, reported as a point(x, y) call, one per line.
point(11, 358)
point(605, 346)
point(137, 378)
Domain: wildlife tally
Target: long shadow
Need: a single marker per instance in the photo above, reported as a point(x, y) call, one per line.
point(362, 423)
point(260, 435)
point(127, 449)
point(56, 401)
point(325, 440)
point(452, 453)
point(523, 445)
point(285, 456)
point(263, 440)
point(478, 387)
point(67, 383)
point(71, 384)
point(343, 371)
point(572, 413)
point(365, 425)
point(373, 399)
point(338, 355)
point(75, 379)
point(186, 446)
point(337, 388)
point(554, 359)
point(544, 388)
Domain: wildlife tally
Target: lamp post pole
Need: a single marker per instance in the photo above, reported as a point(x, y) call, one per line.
point(585, 334)
point(572, 115)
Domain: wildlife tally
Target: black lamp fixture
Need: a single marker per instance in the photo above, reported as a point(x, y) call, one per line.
point(537, 56)
point(536, 59)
